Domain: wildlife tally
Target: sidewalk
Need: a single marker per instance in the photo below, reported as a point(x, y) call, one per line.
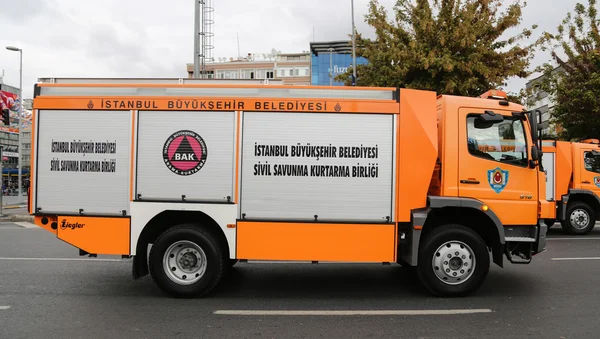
point(12, 213)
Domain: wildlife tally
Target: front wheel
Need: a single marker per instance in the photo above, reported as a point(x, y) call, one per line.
point(580, 219)
point(186, 261)
point(454, 261)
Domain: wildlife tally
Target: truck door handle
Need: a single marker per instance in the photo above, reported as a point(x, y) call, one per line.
point(586, 182)
point(470, 181)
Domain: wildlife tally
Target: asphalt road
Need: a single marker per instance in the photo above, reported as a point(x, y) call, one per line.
point(42, 295)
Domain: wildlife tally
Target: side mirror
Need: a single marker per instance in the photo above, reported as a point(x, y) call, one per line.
point(479, 123)
point(535, 153)
point(490, 116)
point(535, 156)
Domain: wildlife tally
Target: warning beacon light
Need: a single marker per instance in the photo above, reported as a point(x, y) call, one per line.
point(494, 94)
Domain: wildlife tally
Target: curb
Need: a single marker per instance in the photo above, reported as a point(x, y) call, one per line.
point(16, 217)
point(10, 207)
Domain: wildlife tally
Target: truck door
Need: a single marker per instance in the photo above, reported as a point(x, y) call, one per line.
point(494, 166)
point(590, 171)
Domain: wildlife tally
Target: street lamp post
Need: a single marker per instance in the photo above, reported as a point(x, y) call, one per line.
point(20, 149)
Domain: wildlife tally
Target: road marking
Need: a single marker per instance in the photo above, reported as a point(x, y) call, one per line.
point(352, 312)
point(574, 238)
point(581, 258)
point(4, 307)
point(27, 224)
point(65, 259)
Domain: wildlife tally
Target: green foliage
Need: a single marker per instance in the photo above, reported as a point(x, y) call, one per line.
point(575, 84)
point(449, 46)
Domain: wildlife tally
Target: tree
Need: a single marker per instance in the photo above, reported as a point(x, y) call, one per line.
point(575, 84)
point(456, 51)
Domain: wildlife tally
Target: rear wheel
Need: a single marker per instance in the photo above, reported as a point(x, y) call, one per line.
point(454, 261)
point(186, 261)
point(580, 219)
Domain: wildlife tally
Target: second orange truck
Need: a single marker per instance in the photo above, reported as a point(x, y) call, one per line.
point(573, 183)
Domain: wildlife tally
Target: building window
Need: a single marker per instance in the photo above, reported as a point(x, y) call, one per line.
point(247, 74)
point(502, 141)
point(270, 74)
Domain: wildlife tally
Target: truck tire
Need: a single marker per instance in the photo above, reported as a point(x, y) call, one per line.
point(580, 219)
point(186, 261)
point(453, 261)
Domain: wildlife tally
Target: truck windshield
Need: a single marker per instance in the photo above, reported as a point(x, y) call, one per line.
point(502, 141)
point(592, 162)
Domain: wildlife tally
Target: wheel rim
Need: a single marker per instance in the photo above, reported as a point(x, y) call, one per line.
point(454, 262)
point(184, 262)
point(580, 219)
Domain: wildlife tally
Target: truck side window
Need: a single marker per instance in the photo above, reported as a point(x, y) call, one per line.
point(499, 141)
point(591, 162)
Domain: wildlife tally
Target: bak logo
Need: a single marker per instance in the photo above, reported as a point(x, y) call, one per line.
point(184, 152)
point(597, 181)
point(67, 225)
point(497, 178)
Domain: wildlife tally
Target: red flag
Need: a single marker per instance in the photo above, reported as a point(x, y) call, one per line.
point(7, 100)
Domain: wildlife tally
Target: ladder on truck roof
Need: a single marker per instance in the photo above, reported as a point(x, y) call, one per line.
point(165, 81)
point(214, 89)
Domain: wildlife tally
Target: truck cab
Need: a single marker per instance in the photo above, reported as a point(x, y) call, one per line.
point(573, 184)
point(489, 154)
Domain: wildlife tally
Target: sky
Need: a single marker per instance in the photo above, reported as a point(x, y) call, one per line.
point(151, 38)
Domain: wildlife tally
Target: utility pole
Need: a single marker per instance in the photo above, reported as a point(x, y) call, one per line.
point(20, 135)
point(330, 66)
point(353, 48)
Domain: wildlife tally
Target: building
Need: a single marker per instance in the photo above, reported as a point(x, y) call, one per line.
point(26, 151)
point(288, 68)
point(543, 101)
point(9, 140)
point(28, 104)
point(7, 88)
point(329, 59)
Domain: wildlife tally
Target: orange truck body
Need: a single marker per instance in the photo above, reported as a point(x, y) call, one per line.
point(573, 184)
point(211, 174)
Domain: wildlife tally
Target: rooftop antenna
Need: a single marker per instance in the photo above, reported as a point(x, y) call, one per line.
point(203, 36)
point(238, 42)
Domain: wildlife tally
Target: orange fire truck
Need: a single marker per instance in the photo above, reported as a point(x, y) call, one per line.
point(573, 183)
point(189, 178)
